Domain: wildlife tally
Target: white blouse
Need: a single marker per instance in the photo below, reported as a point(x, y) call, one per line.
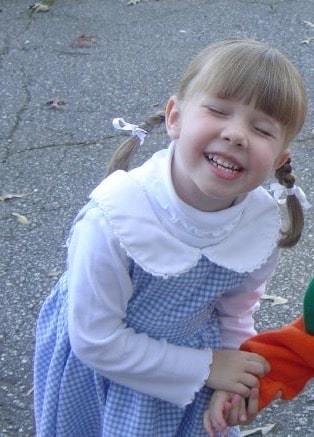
point(140, 209)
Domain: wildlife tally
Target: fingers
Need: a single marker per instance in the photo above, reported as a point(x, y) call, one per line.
point(252, 404)
point(243, 410)
point(249, 381)
point(227, 409)
point(245, 384)
point(233, 416)
point(208, 424)
point(242, 413)
point(214, 418)
point(213, 425)
point(236, 371)
point(257, 365)
point(248, 408)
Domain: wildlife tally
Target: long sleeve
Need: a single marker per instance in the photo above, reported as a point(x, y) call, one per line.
point(237, 307)
point(99, 291)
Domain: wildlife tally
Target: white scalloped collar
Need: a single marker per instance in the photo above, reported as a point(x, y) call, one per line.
point(167, 237)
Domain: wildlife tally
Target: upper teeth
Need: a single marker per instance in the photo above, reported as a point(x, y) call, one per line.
point(221, 161)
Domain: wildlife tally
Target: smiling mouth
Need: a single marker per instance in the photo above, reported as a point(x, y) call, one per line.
point(222, 163)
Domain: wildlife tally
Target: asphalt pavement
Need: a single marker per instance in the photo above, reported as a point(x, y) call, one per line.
point(65, 74)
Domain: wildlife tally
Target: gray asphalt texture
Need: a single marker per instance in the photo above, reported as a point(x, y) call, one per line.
point(96, 60)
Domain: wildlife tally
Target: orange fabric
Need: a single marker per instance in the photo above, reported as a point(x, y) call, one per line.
point(290, 352)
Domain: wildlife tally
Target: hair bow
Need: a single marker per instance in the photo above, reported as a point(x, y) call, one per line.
point(136, 131)
point(279, 191)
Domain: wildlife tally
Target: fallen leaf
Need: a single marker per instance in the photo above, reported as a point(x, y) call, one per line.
point(84, 41)
point(11, 196)
point(56, 103)
point(308, 23)
point(41, 6)
point(307, 41)
point(264, 430)
point(30, 391)
point(276, 300)
point(38, 7)
point(21, 218)
point(135, 2)
point(54, 273)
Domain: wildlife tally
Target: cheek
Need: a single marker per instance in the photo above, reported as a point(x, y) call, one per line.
point(264, 165)
point(187, 154)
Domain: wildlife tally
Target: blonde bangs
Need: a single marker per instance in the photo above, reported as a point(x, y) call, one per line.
point(252, 72)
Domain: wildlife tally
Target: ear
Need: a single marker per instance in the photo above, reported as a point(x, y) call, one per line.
point(173, 117)
point(282, 159)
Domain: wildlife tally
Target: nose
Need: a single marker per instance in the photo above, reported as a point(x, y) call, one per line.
point(235, 133)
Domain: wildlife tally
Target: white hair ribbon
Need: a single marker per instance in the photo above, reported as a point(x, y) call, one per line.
point(279, 191)
point(136, 131)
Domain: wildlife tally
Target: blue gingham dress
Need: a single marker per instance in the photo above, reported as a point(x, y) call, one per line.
point(71, 400)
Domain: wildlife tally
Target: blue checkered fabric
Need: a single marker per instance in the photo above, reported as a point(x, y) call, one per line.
point(71, 400)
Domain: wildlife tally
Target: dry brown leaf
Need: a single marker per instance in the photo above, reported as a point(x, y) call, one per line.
point(56, 103)
point(84, 41)
point(38, 7)
point(11, 196)
point(21, 218)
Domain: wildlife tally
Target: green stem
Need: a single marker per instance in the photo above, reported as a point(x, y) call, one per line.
point(308, 308)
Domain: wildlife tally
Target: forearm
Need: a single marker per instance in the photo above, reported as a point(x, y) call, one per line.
point(156, 368)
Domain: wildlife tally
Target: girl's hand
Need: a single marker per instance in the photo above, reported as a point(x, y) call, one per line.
point(242, 411)
point(236, 371)
point(214, 418)
point(226, 409)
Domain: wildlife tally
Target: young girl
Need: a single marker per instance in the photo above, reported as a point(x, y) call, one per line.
point(167, 261)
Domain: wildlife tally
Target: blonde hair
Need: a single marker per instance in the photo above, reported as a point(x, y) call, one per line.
point(253, 72)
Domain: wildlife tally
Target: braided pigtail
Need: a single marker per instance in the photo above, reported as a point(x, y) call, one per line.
point(122, 157)
point(295, 211)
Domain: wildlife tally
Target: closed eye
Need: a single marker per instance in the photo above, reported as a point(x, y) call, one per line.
point(216, 111)
point(264, 132)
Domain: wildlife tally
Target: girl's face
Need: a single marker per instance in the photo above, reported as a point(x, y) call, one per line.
point(224, 149)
